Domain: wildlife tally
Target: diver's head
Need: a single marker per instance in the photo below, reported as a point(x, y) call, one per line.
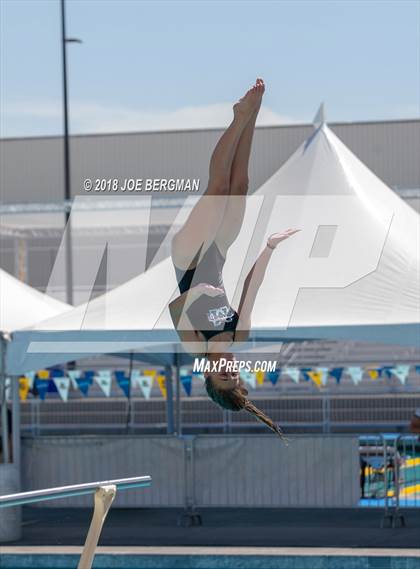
point(228, 391)
point(224, 377)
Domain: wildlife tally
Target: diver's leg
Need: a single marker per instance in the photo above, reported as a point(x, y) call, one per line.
point(202, 224)
point(235, 207)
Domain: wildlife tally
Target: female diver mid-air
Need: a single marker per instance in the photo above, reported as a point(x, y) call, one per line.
point(202, 314)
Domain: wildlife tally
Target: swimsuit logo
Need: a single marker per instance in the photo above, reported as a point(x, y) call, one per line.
point(219, 315)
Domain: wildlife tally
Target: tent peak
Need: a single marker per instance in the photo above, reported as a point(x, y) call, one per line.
point(319, 118)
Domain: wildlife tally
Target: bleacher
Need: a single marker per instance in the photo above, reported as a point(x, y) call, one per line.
point(296, 413)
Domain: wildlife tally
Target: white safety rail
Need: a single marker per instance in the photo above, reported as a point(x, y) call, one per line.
point(22, 498)
point(104, 492)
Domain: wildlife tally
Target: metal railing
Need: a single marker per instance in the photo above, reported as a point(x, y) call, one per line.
point(206, 471)
point(314, 413)
point(104, 494)
point(390, 474)
point(227, 470)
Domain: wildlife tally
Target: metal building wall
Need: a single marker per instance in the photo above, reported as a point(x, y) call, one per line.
point(31, 168)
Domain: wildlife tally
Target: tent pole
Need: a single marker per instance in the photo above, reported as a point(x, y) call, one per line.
point(16, 424)
point(4, 421)
point(178, 427)
point(169, 400)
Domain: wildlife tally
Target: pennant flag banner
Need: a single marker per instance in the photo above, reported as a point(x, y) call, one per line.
point(305, 372)
point(401, 371)
point(273, 376)
point(315, 376)
point(292, 372)
point(143, 382)
point(151, 372)
point(56, 373)
point(104, 379)
point(161, 379)
point(51, 387)
point(62, 385)
point(318, 376)
point(356, 374)
point(57, 380)
point(74, 375)
point(388, 371)
point(337, 373)
point(374, 372)
point(43, 374)
point(23, 388)
point(249, 378)
point(84, 381)
point(41, 387)
point(123, 381)
point(198, 375)
point(30, 376)
point(186, 381)
point(259, 376)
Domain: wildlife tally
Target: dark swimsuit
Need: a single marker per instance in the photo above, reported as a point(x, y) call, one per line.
point(208, 315)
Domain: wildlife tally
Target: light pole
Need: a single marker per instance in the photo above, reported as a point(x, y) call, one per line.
point(67, 186)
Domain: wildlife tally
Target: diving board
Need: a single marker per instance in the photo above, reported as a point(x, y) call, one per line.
point(104, 492)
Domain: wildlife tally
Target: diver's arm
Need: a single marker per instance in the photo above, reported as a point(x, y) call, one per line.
point(252, 285)
point(256, 276)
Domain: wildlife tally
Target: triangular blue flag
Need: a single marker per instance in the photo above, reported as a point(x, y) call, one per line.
point(273, 376)
point(56, 372)
point(41, 387)
point(51, 386)
point(336, 373)
point(304, 372)
point(386, 369)
point(84, 382)
point(124, 382)
point(186, 381)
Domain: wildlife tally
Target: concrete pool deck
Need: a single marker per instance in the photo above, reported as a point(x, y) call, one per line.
point(357, 528)
point(46, 557)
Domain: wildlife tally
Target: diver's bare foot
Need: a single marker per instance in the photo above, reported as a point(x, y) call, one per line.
point(261, 89)
point(251, 101)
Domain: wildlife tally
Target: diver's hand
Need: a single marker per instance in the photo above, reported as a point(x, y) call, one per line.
point(276, 238)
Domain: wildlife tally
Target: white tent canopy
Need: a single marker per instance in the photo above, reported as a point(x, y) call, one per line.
point(22, 306)
point(351, 273)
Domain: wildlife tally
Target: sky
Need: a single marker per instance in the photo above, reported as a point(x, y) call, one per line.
point(182, 64)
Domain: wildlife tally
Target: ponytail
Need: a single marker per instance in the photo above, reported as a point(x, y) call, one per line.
point(263, 418)
point(235, 400)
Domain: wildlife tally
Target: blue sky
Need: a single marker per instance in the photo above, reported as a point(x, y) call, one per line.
point(156, 65)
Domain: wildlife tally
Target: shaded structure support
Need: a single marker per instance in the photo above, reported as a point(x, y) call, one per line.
point(67, 185)
point(3, 402)
point(169, 400)
point(178, 421)
point(16, 426)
